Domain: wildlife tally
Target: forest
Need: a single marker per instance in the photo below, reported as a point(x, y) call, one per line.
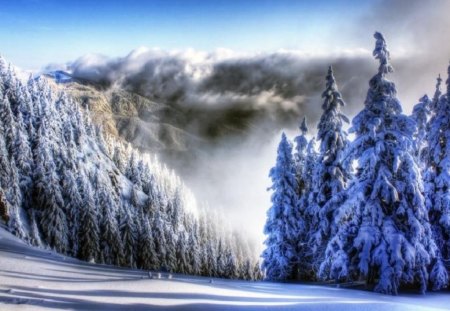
point(374, 208)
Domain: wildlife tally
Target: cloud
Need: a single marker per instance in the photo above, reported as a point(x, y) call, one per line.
point(240, 102)
point(226, 90)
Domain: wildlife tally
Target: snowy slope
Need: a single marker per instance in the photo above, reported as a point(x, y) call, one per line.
point(33, 279)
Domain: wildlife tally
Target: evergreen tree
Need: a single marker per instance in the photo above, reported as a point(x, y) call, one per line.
point(282, 225)
point(330, 177)
point(129, 237)
point(147, 255)
point(437, 177)
point(110, 241)
point(171, 252)
point(89, 231)
point(193, 255)
point(73, 202)
point(383, 231)
point(304, 159)
point(420, 115)
point(159, 239)
point(53, 217)
point(181, 254)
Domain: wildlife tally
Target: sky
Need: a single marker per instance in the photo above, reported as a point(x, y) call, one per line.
point(36, 32)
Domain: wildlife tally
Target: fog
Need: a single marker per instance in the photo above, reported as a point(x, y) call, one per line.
point(238, 103)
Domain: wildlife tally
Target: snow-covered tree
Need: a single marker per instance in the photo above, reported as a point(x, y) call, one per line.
point(147, 256)
point(305, 158)
point(89, 231)
point(383, 234)
point(53, 216)
point(330, 177)
point(129, 236)
point(437, 177)
point(182, 253)
point(159, 238)
point(420, 115)
point(282, 225)
point(111, 247)
point(73, 202)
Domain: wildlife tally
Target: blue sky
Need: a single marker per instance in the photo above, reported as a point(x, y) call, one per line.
point(36, 32)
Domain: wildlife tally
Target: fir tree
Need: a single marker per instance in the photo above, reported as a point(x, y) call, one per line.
point(110, 241)
point(89, 231)
point(330, 177)
point(147, 255)
point(282, 226)
point(437, 177)
point(129, 237)
point(53, 217)
point(420, 115)
point(73, 202)
point(304, 159)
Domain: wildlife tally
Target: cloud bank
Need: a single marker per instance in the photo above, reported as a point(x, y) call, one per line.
point(240, 102)
point(225, 92)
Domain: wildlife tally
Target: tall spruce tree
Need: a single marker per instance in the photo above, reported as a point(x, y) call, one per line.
point(383, 235)
point(147, 256)
point(437, 178)
point(282, 226)
point(303, 161)
point(330, 177)
point(420, 115)
point(129, 236)
point(89, 231)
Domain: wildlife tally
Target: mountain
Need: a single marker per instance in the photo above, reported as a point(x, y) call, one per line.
point(147, 125)
point(68, 186)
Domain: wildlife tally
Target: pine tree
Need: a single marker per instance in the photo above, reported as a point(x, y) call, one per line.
point(159, 238)
point(420, 115)
point(182, 254)
point(129, 237)
point(193, 255)
point(304, 159)
point(73, 202)
point(147, 255)
point(437, 177)
point(53, 218)
point(383, 231)
point(282, 225)
point(330, 177)
point(301, 145)
point(89, 231)
point(111, 247)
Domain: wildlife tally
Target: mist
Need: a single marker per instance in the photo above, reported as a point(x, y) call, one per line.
point(237, 104)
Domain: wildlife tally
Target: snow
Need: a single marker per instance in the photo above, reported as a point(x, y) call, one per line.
point(35, 279)
point(60, 76)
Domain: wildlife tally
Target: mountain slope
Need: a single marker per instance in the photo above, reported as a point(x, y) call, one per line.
point(65, 185)
point(144, 123)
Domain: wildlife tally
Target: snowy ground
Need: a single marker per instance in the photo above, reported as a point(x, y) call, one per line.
point(32, 279)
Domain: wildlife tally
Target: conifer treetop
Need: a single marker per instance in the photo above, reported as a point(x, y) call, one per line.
point(382, 54)
point(303, 126)
point(424, 99)
point(448, 82)
point(331, 94)
point(437, 93)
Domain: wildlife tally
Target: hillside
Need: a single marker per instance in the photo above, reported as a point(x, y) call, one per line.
point(67, 186)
